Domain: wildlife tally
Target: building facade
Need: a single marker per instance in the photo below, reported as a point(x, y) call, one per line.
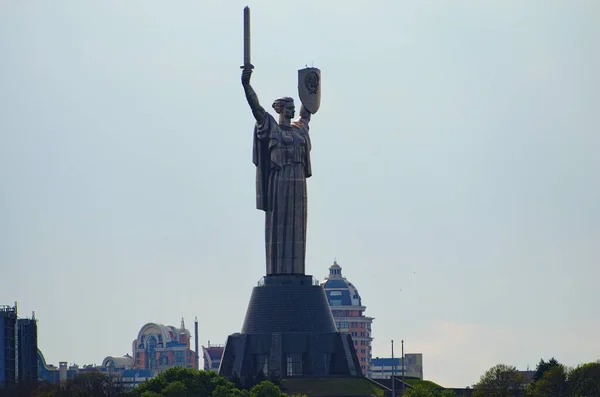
point(212, 355)
point(383, 368)
point(349, 314)
point(159, 347)
point(8, 345)
point(27, 349)
point(18, 347)
point(156, 348)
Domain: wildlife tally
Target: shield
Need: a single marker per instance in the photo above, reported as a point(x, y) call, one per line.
point(309, 88)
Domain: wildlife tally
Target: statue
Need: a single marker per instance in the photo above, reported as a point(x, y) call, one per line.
point(281, 153)
point(288, 329)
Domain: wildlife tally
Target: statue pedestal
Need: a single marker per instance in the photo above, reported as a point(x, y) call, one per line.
point(289, 332)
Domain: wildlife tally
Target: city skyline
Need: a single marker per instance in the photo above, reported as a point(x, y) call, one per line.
point(454, 158)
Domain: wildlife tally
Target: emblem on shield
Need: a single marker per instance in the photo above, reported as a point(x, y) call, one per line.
point(309, 88)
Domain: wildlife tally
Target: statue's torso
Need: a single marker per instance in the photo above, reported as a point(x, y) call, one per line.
point(293, 145)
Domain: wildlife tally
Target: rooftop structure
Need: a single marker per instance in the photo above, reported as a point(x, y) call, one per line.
point(212, 356)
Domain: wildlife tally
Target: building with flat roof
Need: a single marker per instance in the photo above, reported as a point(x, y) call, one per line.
point(8, 345)
point(349, 314)
point(18, 347)
point(383, 368)
point(212, 356)
point(27, 369)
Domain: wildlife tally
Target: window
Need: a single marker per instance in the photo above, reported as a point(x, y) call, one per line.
point(335, 293)
point(293, 364)
point(343, 325)
point(336, 302)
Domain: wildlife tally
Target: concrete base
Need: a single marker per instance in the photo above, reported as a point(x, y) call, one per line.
point(289, 332)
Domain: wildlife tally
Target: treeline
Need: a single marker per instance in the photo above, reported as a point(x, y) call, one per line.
point(551, 379)
point(175, 382)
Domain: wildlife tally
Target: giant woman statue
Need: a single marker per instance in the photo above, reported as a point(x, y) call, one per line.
point(281, 153)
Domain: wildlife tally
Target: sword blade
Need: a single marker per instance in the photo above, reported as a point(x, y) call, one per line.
point(247, 63)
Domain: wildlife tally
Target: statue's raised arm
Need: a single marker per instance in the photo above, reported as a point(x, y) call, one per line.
point(257, 110)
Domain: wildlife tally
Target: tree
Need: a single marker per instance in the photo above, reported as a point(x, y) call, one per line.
point(422, 391)
point(499, 381)
point(447, 393)
point(196, 383)
point(418, 391)
point(584, 380)
point(266, 389)
point(151, 394)
point(544, 366)
point(175, 389)
point(553, 383)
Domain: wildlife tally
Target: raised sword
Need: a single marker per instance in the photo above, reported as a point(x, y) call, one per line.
point(247, 63)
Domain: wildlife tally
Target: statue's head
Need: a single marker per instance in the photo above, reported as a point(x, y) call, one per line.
point(284, 106)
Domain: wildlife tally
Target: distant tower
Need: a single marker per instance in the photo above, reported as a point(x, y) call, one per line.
point(184, 335)
point(8, 346)
point(196, 341)
point(348, 312)
point(27, 346)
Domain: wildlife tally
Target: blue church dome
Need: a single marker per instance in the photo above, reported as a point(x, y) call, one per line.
point(340, 292)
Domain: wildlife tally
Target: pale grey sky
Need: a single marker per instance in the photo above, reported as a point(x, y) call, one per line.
point(454, 159)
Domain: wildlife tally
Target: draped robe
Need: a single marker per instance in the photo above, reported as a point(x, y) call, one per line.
point(282, 158)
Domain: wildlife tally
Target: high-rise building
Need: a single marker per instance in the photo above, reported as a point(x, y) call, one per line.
point(348, 312)
point(18, 347)
point(8, 345)
point(27, 349)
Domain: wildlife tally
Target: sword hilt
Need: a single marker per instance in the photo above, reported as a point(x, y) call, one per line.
point(247, 66)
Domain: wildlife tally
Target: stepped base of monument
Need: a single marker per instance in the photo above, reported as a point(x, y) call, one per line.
point(289, 332)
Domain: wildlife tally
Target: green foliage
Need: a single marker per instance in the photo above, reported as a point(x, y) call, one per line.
point(151, 394)
point(447, 393)
point(179, 381)
point(223, 391)
point(425, 391)
point(499, 381)
point(175, 389)
point(418, 391)
point(424, 383)
point(317, 387)
point(185, 382)
point(266, 389)
point(584, 380)
point(553, 383)
point(544, 366)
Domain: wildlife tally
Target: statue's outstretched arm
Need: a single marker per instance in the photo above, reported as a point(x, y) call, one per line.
point(257, 110)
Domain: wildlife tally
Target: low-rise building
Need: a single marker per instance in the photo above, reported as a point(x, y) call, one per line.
point(383, 368)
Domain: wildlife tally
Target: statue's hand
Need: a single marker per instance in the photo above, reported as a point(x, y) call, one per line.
point(246, 73)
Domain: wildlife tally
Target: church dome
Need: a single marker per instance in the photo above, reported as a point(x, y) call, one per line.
point(340, 291)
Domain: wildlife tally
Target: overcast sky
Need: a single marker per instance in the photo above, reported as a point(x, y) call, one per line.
point(455, 170)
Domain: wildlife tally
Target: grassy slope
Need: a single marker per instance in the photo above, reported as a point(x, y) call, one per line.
point(322, 387)
point(424, 383)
